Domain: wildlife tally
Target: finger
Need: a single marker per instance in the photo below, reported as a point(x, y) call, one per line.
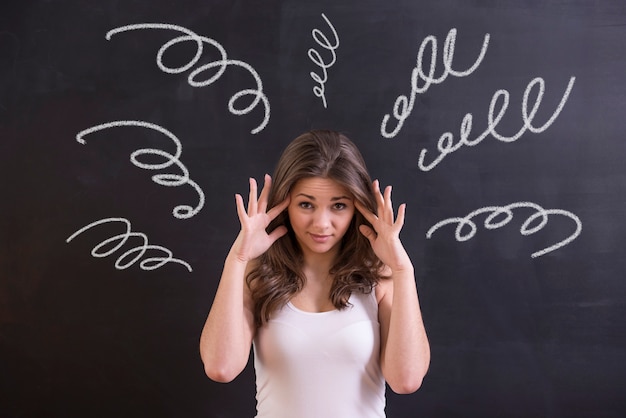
point(380, 202)
point(277, 210)
point(252, 200)
point(241, 209)
point(368, 233)
point(267, 184)
point(388, 206)
point(277, 233)
point(401, 214)
point(367, 214)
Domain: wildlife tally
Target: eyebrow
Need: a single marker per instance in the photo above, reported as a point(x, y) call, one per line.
point(333, 199)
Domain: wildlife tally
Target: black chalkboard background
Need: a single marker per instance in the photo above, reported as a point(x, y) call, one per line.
point(511, 335)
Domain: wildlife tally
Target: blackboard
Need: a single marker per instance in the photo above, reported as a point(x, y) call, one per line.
point(114, 123)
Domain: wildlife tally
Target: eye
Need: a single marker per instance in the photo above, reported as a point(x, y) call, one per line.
point(339, 206)
point(305, 205)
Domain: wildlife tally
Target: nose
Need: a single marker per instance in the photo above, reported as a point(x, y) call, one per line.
point(321, 220)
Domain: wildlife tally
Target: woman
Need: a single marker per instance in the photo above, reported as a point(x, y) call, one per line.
point(322, 289)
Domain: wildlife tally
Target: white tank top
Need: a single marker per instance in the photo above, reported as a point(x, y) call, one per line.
point(320, 365)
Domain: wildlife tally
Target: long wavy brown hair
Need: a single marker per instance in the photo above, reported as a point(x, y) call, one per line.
point(277, 274)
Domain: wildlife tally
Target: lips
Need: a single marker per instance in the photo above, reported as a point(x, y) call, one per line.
point(320, 239)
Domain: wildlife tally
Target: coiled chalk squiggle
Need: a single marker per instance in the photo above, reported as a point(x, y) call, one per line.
point(403, 106)
point(122, 262)
point(526, 229)
point(167, 179)
point(220, 65)
point(323, 41)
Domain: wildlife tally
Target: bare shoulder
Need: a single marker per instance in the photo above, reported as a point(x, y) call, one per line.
point(385, 285)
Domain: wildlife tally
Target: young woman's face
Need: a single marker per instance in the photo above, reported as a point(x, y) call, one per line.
point(320, 212)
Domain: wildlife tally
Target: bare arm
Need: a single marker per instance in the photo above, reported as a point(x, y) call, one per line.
point(405, 351)
point(229, 329)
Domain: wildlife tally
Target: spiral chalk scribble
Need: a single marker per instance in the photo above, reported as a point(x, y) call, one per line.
point(490, 223)
point(221, 64)
point(166, 179)
point(123, 261)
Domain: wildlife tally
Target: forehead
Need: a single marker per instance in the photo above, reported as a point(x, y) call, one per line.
point(320, 187)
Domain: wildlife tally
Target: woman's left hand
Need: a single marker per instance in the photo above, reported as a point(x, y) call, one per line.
point(385, 237)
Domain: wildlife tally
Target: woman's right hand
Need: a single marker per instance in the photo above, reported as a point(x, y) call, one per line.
point(253, 239)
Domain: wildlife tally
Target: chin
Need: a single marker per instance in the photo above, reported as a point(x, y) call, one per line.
point(322, 249)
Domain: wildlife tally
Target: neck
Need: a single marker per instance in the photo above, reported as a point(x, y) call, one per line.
point(317, 266)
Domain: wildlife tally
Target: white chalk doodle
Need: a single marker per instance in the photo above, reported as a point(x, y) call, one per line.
point(166, 179)
point(317, 59)
point(220, 65)
point(403, 105)
point(123, 261)
point(507, 211)
point(446, 145)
